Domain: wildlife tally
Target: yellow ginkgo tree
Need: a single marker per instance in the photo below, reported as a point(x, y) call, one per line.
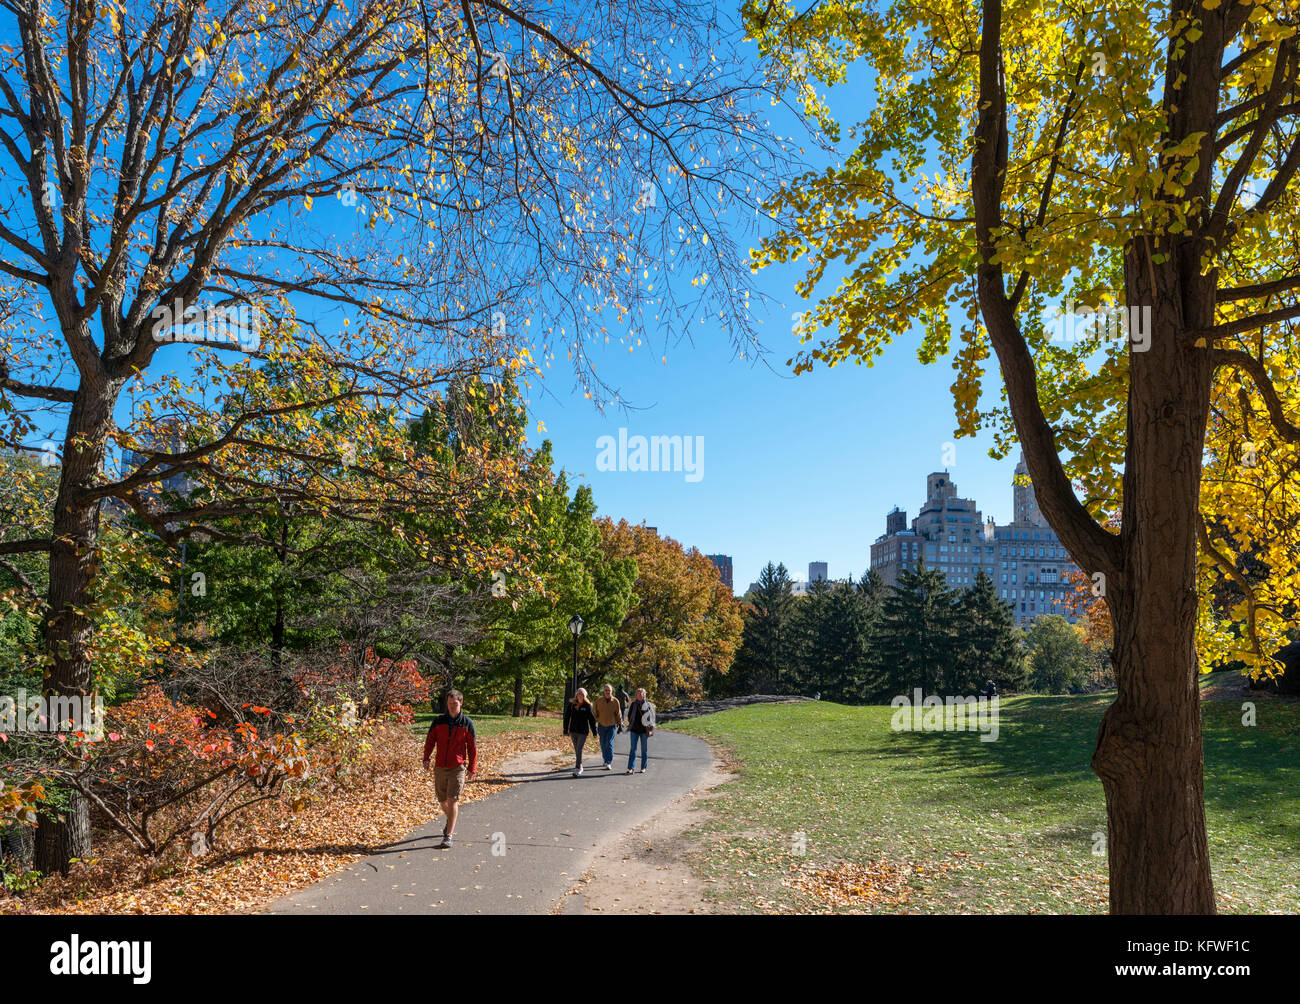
point(1103, 197)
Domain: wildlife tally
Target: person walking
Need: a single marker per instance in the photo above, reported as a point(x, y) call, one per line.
point(579, 720)
point(641, 726)
point(457, 758)
point(609, 719)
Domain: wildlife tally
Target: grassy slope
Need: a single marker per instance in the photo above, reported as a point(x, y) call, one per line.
point(492, 725)
point(1000, 826)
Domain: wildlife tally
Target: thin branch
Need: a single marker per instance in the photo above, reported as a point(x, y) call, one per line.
point(1259, 375)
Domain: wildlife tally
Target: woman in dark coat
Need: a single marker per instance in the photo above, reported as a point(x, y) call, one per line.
point(579, 722)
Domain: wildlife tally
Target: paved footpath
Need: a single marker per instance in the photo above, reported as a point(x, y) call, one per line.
point(549, 826)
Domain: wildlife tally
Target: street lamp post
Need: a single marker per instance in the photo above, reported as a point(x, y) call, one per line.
point(575, 625)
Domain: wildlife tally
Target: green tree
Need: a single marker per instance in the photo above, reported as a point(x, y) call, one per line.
point(532, 642)
point(988, 647)
point(1059, 659)
point(917, 640)
point(834, 628)
point(765, 658)
point(872, 586)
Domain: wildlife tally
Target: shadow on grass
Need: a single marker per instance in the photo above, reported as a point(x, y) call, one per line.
point(1252, 773)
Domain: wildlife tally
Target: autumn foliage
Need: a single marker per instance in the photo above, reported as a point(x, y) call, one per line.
point(383, 688)
point(683, 623)
point(165, 771)
point(1088, 609)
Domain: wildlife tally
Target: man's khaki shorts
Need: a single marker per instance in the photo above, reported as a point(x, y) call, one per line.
point(449, 782)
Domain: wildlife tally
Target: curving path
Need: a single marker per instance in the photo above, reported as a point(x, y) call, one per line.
point(549, 827)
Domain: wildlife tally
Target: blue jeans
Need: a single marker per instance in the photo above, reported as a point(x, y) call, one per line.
point(606, 733)
point(645, 749)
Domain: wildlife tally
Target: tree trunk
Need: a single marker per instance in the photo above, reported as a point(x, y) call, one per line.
point(18, 843)
point(59, 841)
point(277, 623)
point(519, 695)
point(1149, 754)
point(68, 627)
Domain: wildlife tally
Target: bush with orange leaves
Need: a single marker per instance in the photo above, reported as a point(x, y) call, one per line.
point(371, 687)
point(164, 771)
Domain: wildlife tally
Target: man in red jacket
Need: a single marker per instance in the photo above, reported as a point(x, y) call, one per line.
point(453, 735)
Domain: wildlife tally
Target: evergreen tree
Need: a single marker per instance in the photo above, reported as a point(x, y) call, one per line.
point(988, 646)
point(764, 659)
point(835, 627)
point(872, 586)
point(917, 640)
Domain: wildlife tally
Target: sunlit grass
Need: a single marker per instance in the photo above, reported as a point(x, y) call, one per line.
point(1010, 825)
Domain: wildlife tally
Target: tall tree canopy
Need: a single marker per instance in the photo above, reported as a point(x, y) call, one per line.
point(371, 198)
point(683, 623)
point(1139, 159)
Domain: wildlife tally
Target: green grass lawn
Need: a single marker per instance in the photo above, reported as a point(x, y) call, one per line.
point(1005, 826)
point(492, 725)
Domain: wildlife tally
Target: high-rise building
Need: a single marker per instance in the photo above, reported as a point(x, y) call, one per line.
point(168, 437)
point(816, 571)
point(723, 562)
point(1025, 502)
point(1029, 567)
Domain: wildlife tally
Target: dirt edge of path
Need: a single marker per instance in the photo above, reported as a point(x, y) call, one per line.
point(647, 869)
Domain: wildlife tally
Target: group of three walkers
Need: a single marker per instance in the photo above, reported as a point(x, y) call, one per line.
point(605, 718)
point(452, 736)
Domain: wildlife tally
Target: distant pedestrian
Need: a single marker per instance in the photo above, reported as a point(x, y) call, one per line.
point(640, 726)
point(609, 719)
point(457, 758)
point(579, 720)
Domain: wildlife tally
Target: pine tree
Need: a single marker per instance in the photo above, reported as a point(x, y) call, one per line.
point(835, 655)
point(916, 642)
point(764, 659)
point(988, 646)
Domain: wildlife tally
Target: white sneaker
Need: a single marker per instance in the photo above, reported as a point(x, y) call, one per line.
point(609, 766)
point(578, 772)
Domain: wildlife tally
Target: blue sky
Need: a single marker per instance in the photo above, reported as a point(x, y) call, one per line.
point(796, 469)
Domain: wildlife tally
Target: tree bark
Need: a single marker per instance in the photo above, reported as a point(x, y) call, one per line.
point(60, 840)
point(68, 627)
point(18, 842)
point(1149, 754)
point(519, 695)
